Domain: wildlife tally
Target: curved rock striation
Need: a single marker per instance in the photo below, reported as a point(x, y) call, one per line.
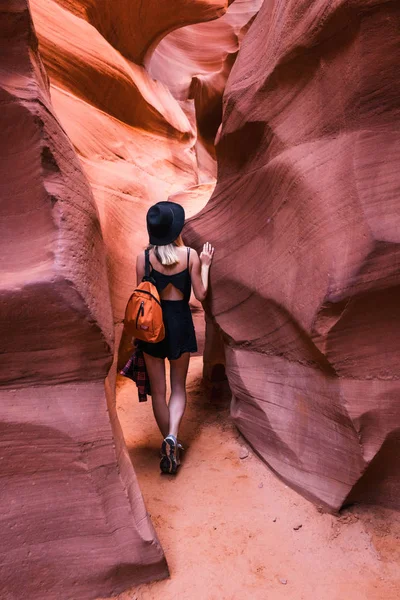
point(137, 142)
point(135, 27)
point(306, 222)
point(72, 514)
point(85, 526)
point(194, 62)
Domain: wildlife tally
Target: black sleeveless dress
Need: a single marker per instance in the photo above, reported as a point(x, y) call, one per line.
point(180, 335)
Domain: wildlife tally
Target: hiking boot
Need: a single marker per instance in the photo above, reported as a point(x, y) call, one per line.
point(180, 448)
point(170, 455)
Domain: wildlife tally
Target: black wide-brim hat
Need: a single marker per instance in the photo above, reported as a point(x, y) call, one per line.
point(165, 221)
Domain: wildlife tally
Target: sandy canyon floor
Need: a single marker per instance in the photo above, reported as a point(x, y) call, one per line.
point(232, 531)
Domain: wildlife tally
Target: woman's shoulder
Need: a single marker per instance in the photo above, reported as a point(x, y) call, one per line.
point(193, 256)
point(185, 250)
point(189, 248)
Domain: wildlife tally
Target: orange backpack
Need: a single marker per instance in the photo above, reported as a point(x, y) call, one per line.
point(143, 314)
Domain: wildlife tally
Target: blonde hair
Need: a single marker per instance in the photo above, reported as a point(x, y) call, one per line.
point(167, 255)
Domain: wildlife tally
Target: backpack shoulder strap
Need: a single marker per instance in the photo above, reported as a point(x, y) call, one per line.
point(146, 264)
point(188, 255)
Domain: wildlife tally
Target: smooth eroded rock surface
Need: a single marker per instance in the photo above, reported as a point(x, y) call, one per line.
point(305, 219)
point(73, 518)
point(137, 138)
point(84, 527)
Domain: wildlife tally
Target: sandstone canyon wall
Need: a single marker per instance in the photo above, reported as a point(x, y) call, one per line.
point(73, 513)
point(305, 219)
point(129, 108)
point(134, 127)
point(305, 281)
point(73, 519)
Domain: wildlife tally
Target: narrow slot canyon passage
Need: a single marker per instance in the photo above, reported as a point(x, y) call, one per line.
point(276, 127)
point(231, 529)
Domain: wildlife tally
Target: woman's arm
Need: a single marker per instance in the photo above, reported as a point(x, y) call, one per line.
point(199, 271)
point(139, 268)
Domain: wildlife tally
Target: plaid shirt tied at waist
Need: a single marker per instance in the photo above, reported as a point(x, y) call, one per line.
point(136, 370)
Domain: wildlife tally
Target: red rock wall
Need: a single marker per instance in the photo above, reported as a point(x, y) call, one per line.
point(73, 519)
point(305, 219)
point(135, 129)
point(136, 139)
point(75, 516)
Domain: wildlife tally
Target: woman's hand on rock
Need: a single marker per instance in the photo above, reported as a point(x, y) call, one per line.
point(207, 254)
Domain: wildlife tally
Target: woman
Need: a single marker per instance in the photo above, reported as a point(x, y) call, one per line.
point(175, 268)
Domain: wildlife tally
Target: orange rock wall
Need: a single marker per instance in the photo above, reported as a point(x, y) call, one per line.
point(74, 514)
point(134, 127)
point(305, 219)
point(138, 143)
point(73, 519)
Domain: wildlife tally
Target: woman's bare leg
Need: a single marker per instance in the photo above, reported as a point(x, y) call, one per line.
point(177, 402)
point(156, 370)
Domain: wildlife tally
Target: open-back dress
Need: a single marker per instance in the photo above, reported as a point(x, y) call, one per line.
point(180, 335)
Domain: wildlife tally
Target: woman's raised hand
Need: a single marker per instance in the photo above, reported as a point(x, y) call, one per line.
point(207, 254)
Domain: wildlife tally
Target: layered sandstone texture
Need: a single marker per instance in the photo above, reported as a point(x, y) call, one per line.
point(131, 105)
point(72, 514)
point(305, 219)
